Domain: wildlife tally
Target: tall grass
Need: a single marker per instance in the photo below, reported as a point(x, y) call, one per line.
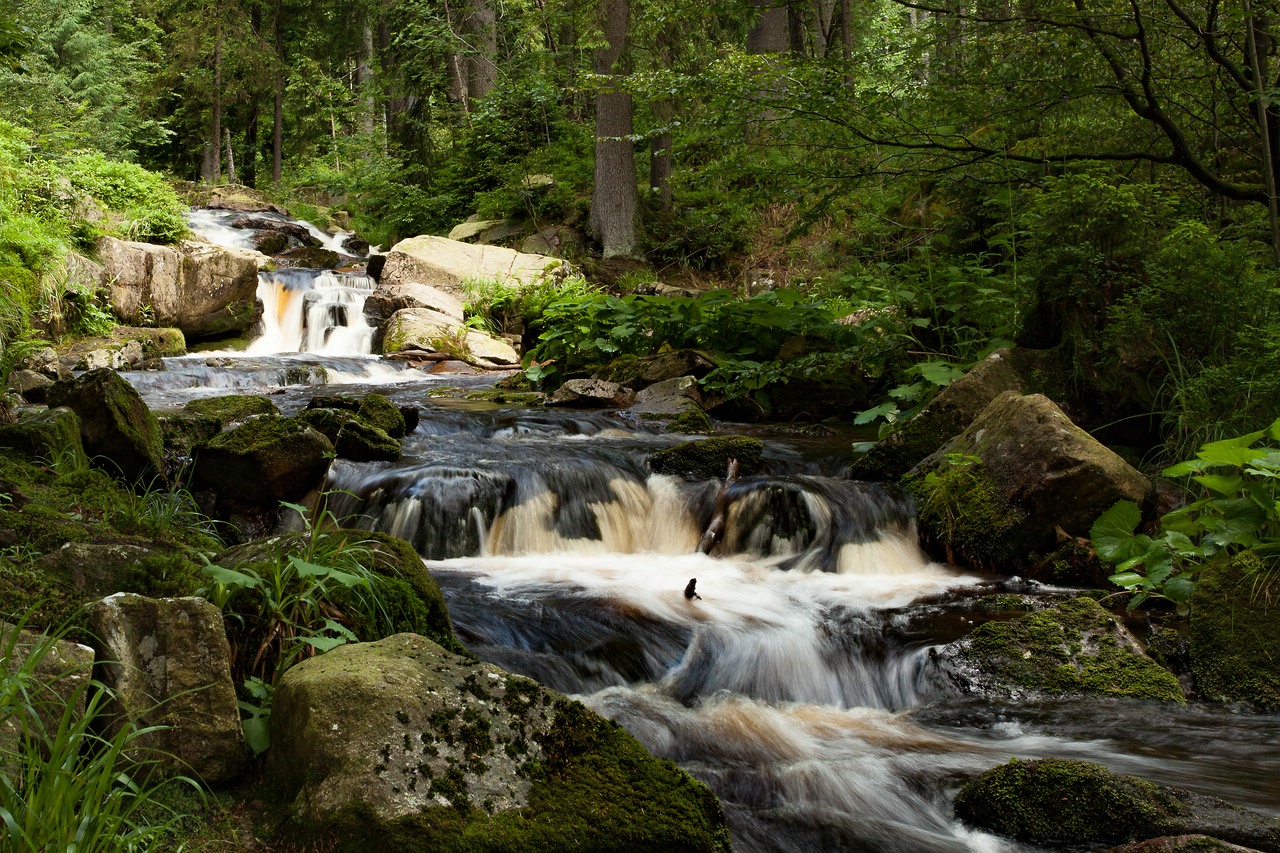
point(63, 785)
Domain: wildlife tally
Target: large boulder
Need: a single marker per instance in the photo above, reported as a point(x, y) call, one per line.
point(447, 264)
point(265, 460)
point(169, 666)
point(60, 674)
point(591, 394)
point(428, 330)
point(202, 289)
point(1075, 648)
point(1061, 802)
point(115, 424)
point(49, 434)
point(1015, 481)
point(400, 745)
point(352, 438)
point(1235, 632)
point(387, 299)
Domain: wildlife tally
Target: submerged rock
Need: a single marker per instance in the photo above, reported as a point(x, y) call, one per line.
point(1075, 648)
point(399, 745)
point(169, 665)
point(116, 426)
point(1235, 632)
point(708, 458)
point(1059, 802)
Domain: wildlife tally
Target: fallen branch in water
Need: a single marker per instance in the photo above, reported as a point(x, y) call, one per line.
point(715, 530)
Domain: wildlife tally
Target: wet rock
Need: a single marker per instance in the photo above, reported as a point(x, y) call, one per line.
point(668, 397)
point(1075, 648)
point(399, 745)
point(355, 245)
point(1060, 802)
point(446, 264)
point(304, 374)
point(184, 432)
point(308, 257)
point(116, 427)
point(1181, 844)
point(591, 394)
point(352, 438)
point(1235, 632)
point(387, 299)
point(708, 458)
point(30, 385)
point(263, 461)
point(379, 412)
point(288, 230)
point(270, 242)
point(411, 417)
point(1017, 476)
point(49, 434)
point(235, 197)
point(168, 662)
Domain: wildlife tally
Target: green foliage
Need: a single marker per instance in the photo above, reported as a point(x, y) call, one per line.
point(166, 513)
point(149, 207)
point(1238, 511)
point(63, 784)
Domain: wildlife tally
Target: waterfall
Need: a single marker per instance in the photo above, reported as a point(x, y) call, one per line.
point(304, 310)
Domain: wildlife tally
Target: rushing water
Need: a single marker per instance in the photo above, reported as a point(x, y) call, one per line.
point(797, 685)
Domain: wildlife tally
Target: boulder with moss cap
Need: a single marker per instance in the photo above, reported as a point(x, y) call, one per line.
point(399, 745)
point(115, 424)
point(263, 461)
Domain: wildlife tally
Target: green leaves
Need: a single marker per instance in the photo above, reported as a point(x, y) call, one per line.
point(1239, 511)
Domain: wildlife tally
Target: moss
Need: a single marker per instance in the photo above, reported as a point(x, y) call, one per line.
point(46, 602)
point(623, 370)
point(261, 432)
point(232, 408)
point(960, 512)
point(514, 382)
point(1070, 649)
point(1055, 801)
point(164, 576)
point(426, 610)
point(595, 789)
point(1235, 631)
point(709, 457)
point(377, 411)
point(692, 421)
point(50, 434)
point(352, 438)
point(515, 398)
point(184, 433)
point(115, 424)
point(904, 448)
point(304, 374)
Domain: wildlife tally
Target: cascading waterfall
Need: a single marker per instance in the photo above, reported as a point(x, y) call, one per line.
point(304, 310)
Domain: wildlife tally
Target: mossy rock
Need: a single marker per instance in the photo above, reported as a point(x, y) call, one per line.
point(401, 746)
point(709, 458)
point(232, 408)
point(263, 461)
point(353, 438)
point(1062, 802)
point(377, 411)
point(515, 382)
point(1235, 631)
point(163, 342)
point(118, 430)
point(691, 421)
point(513, 398)
point(407, 592)
point(183, 433)
point(961, 515)
point(48, 434)
point(1075, 648)
point(1056, 801)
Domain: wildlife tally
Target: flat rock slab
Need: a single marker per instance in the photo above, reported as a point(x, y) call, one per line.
point(447, 264)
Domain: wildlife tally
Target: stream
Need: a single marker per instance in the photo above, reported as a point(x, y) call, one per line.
point(798, 686)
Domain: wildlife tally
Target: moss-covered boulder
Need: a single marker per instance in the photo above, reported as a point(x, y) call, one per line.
point(410, 598)
point(232, 408)
point(1075, 648)
point(352, 438)
point(263, 461)
point(169, 667)
point(49, 434)
point(184, 432)
point(708, 458)
point(117, 429)
point(1181, 844)
point(1061, 802)
point(399, 745)
point(61, 671)
point(1029, 458)
point(379, 412)
point(1235, 632)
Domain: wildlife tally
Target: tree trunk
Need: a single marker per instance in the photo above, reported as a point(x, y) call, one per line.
point(769, 34)
point(364, 80)
point(615, 198)
point(213, 162)
point(231, 160)
point(277, 119)
point(482, 30)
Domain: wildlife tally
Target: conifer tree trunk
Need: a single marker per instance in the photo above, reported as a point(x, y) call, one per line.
point(615, 198)
point(277, 121)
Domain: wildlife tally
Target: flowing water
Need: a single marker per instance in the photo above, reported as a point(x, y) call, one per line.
point(798, 685)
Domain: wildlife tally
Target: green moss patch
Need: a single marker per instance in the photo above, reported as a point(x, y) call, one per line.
point(1235, 631)
point(961, 515)
point(377, 411)
point(501, 397)
point(232, 408)
point(709, 457)
point(1073, 648)
point(692, 421)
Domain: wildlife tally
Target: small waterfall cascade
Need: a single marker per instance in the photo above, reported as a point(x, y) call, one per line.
point(304, 310)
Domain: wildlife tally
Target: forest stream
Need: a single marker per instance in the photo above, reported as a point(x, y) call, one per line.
point(798, 686)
